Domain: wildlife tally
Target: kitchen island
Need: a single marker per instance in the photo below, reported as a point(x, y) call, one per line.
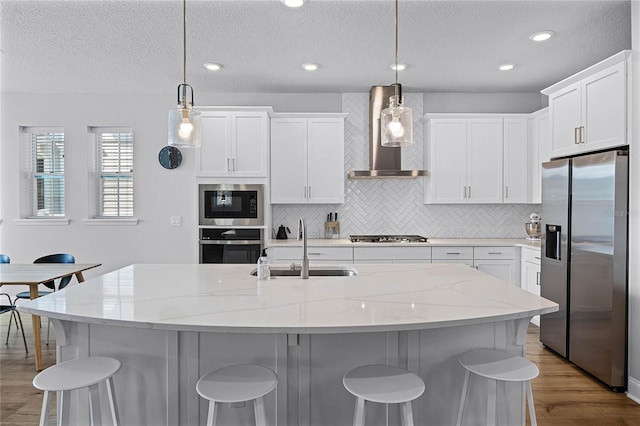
point(171, 324)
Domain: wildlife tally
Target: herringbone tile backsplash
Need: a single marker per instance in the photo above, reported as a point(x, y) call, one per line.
point(395, 206)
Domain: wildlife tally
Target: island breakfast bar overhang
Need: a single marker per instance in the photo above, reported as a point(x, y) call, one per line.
point(171, 324)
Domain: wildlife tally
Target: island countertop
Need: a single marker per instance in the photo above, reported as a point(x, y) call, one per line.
point(226, 298)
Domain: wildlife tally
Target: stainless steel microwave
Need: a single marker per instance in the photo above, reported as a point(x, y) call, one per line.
point(231, 205)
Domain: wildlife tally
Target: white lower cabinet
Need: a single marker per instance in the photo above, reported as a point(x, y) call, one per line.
point(414, 254)
point(530, 274)
point(500, 262)
point(316, 254)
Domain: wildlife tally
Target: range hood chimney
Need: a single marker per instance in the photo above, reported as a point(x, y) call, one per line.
point(384, 162)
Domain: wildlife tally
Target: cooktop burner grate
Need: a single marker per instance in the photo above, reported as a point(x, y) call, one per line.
point(388, 239)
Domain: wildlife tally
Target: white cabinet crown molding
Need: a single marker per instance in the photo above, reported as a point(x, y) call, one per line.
point(212, 108)
point(309, 115)
point(602, 65)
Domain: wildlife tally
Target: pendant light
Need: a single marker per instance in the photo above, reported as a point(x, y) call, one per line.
point(396, 121)
point(184, 121)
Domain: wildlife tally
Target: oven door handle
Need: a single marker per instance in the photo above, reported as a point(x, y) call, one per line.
point(231, 242)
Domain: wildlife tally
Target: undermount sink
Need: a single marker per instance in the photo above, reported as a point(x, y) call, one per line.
point(284, 271)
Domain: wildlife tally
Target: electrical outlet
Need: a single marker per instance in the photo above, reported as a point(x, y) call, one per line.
point(457, 232)
point(175, 220)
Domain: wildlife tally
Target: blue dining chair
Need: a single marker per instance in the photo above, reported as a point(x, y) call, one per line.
point(64, 281)
point(4, 258)
point(15, 316)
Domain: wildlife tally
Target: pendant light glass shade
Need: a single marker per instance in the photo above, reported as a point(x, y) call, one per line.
point(396, 121)
point(396, 124)
point(184, 121)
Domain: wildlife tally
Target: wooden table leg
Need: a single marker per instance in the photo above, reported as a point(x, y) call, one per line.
point(33, 293)
point(79, 277)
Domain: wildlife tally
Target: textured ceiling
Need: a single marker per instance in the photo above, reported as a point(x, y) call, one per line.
point(450, 46)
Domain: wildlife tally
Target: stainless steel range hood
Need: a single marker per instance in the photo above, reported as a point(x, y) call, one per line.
point(384, 162)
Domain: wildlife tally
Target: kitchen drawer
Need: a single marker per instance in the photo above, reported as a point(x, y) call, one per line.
point(343, 254)
point(450, 253)
point(487, 253)
point(392, 253)
point(531, 255)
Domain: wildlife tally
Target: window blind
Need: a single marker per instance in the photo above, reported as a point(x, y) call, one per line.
point(115, 173)
point(47, 173)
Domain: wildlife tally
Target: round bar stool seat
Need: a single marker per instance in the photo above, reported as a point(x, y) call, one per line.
point(237, 383)
point(384, 384)
point(499, 366)
point(77, 374)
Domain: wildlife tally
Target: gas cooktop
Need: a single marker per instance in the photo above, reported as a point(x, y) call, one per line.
point(388, 239)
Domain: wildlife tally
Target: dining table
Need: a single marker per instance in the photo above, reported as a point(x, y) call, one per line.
point(34, 274)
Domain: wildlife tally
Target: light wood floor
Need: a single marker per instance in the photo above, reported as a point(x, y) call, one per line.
point(563, 394)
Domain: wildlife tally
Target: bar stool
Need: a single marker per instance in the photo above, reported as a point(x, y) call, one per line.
point(384, 384)
point(237, 383)
point(77, 374)
point(498, 366)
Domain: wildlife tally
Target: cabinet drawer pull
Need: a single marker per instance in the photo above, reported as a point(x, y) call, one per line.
point(453, 252)
point(495, 252)
point(315, 254)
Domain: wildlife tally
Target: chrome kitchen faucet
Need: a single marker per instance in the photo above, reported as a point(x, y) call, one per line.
point(304, 262)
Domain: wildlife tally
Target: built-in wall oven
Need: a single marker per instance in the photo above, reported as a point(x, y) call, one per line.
point(231, 205)
point(230, 245)
point(231, 222)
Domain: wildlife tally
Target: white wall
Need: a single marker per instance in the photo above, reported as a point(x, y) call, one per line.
point(484, 102)
point(634, 217)
point(159, 193)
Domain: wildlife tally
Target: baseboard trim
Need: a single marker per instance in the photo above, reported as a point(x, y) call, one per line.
point(633, 389)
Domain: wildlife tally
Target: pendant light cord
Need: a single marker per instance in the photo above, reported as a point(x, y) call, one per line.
point(184, 40)
point(396, 25)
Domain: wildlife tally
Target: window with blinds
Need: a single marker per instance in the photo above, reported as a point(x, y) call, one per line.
point(112, 171)
point(45, 176)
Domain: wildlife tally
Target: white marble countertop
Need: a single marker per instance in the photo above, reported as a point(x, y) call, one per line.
point(225, 298)
point(432, 242)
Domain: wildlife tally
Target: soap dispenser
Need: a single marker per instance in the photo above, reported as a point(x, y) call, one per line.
point(263, 266)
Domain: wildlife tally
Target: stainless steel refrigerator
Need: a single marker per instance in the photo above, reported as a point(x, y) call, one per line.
point(584, 262)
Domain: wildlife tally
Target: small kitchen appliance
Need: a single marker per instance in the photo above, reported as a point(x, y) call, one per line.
point(231, 205)
point(533, 227)
point(282, 233)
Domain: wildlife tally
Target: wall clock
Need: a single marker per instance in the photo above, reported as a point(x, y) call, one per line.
point(170, 157)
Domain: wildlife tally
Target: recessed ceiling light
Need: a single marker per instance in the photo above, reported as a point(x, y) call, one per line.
point(310, 66)
point(293, 3)
point(506, 67)
point(212, 66)
point(400, 67)
point(541, 35)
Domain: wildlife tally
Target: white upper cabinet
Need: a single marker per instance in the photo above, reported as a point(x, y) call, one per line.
point(515, 162)
point(589, 111)
point(234, 144)
point(307, 159)
point(464, 159)
point(539, 151)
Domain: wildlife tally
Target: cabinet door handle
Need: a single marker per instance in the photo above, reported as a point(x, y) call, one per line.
point(537, 278)
point(234, 163)
point(228, 164)
point(581, 134)
point(575, 135)
point(464, 190)
point(506, 191)
point(537, 257)
point(305, 191)
point(309, 191)
point(469, 191)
